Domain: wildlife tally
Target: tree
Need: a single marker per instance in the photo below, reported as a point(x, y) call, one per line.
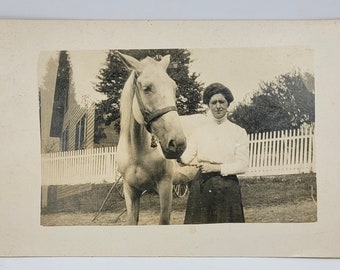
point(113, 77)
point(47, 81)
point(285, 103)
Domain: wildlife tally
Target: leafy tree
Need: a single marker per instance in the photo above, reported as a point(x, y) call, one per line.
point(285, 103)
point(113, 77)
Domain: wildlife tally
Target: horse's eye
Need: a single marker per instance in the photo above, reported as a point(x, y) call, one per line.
point(147, 89)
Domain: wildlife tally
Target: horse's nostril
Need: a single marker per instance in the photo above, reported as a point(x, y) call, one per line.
point(172, 145)
point(176, 147)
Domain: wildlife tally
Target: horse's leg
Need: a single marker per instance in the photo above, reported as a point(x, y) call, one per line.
point(165, 197)
point(132, 202)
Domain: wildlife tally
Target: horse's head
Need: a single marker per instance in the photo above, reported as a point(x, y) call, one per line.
point(154, 105)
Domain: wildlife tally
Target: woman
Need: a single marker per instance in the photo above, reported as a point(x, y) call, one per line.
point(219, 149)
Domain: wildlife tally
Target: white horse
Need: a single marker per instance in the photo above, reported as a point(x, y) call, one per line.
point(148, 110)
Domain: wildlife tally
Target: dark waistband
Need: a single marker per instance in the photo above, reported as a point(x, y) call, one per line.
point(207, 176)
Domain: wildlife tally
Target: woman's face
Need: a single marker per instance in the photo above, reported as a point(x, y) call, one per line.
point(218, 105)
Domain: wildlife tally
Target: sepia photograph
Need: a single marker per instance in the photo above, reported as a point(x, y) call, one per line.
point(177, 136)
point(170, 139)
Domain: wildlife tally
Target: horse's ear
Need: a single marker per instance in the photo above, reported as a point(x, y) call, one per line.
point(130, 62)
point(165, 61)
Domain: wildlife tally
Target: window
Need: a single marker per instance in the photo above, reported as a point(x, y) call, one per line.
point(80, 134)
point(64, 140)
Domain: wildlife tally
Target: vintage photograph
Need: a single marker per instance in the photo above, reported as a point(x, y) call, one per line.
point(177, 136)
point(223, 131)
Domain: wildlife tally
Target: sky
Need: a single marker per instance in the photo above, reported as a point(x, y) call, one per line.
point(85, 68)
point(243, 69)
point(240, 69)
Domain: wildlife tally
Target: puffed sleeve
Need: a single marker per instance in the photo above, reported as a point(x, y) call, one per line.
point(240, 161)
point(190, 153)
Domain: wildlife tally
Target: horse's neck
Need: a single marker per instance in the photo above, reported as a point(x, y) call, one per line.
point(133, 133)
point(139, 139)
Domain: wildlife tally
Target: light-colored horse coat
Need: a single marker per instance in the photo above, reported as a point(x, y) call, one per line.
point(142, 166)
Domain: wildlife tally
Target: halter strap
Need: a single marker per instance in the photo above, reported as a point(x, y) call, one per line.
point(148, 116)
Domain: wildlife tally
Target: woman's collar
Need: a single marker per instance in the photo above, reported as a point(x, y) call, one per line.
point(215, 120)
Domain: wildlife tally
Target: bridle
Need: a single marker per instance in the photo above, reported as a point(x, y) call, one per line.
point(148, 116)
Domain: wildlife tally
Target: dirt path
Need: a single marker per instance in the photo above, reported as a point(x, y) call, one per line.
point(303, 211)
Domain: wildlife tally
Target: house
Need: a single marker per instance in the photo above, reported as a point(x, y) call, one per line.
point(67, 121)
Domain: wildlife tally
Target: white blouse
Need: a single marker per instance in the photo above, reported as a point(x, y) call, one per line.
point(219, 142)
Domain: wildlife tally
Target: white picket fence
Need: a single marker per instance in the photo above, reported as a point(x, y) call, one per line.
point(270, 153)
point(78, 167)
point(282, 152)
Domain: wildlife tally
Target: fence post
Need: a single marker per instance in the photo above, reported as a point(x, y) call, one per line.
point(275, 157)
point(289, 135)
point(258, 151)
point(293, 148)
point(251, 147)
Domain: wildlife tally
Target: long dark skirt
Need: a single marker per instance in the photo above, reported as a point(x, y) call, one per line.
point(214, 199)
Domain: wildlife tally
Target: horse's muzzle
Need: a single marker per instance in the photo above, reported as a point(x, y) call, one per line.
point(174, 148)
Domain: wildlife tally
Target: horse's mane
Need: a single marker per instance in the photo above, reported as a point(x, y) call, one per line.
point(126, 103)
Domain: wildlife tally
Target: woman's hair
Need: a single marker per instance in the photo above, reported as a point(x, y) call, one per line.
point(217, 88)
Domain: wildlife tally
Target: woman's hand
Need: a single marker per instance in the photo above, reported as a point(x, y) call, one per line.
point(207, 167)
